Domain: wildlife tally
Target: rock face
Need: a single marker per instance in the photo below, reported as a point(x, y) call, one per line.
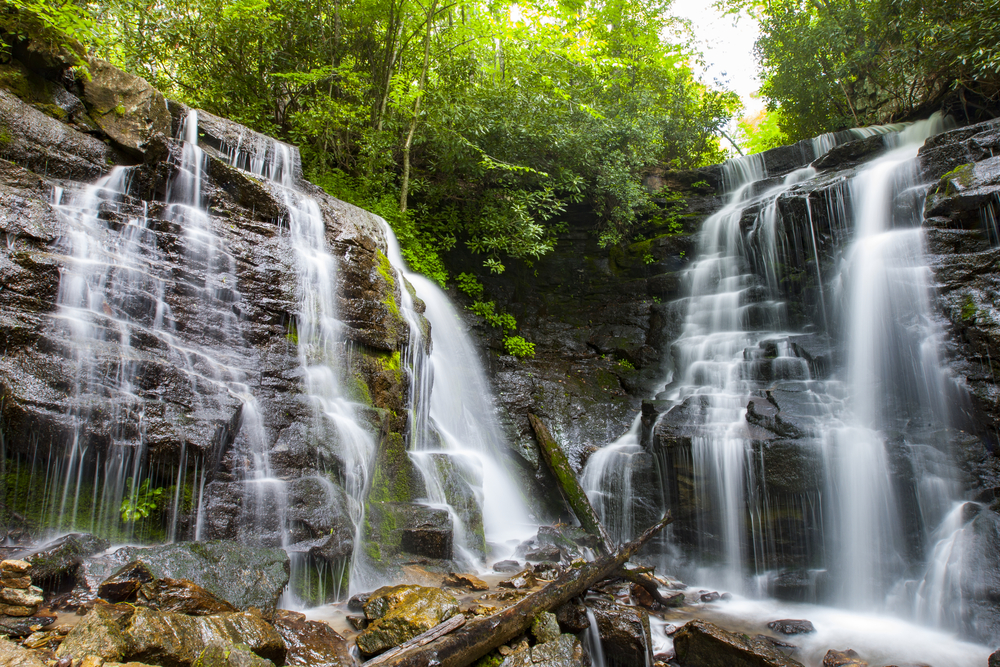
point(192, 350)
point(704, 644)
point(399, 613)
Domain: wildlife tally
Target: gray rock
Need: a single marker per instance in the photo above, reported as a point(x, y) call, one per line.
point(707, 645)
point(625, 634)
point(12, 655)
point(545, 627)
point(561, 651)
point(56, 564)
point(790, 626)
point(243, 575)
point(126, 107)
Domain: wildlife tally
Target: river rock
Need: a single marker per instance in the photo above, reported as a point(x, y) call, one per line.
point(22, 626)
point(399, 613)
point(15, 568)
point(124, 584)
point(16, 582)
point(506, 566)
point(29, 597)
point(523, 579)
point(561, 651)
point(12, 655)
point(122, 633)
point(545, 627)
point(625, 634)
point(572, 617)
point(846, 658)
point(182, 597)
point(311, 643)
point(703, 644)
point(242, 575)
point(790, 626)
point(469, 581)
point(56, 565)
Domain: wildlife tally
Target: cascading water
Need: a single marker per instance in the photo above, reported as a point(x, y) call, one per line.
point(741, 372)
point(456, 440)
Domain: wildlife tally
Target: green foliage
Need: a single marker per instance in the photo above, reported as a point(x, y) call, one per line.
point(518, 347)
point(470, 285)
point(626, 364)
point(141, 502)
point(506, 113)
point(831, 64)
point(761, 132)
point(487, 311)
point(61, 25)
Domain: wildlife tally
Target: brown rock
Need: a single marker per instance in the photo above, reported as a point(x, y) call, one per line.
point(41, 639)
point(92, 661)
point(845, 658)
point(707, 645)
point(15, 568)
point(311, 643)
point(128, 109)
point(15, 582)
point(466, 581)
point(181, 596)
point(15, 610)
point(28, 597)
point(124, 584)
point(12, 655)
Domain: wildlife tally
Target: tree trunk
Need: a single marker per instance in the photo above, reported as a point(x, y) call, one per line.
point(405, 187)
point(478, 637)
point(569, 486)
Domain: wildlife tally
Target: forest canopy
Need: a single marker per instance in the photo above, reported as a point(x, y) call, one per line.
point(460, 121)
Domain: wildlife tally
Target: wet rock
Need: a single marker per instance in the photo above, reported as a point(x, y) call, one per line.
point(703, 644)
point(471, 582)
point(625, 634)
point(572, 617)
point(29, 597)
point(523, 579)
point(311, 643)
point(994, 659)
point(507, 566)
point(128, 109)
point(243, 575)
point(121, 633)
point(22, 626)
point(774, 641)
point(846, 658)
point(421, 530)
point(15, 582)
point(16, 568)
point(790, 626)
point(123, 585)
point(13, 655)
point(42, 639)
point(544, 553)
point(56, 565)
point(357, 622)
point(545, 627)
point(357, 601)
point(47, 146)
point(19, 611)
point(182, 597)
point(399, 613)
point(711, 596)
point(561, 651)
point(547, 571)
point(852, 153)
point(230, 656)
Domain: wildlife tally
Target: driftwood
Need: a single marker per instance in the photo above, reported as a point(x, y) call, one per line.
point(439, 630)
point(480, 636)
point(569, 486)
point(643, 579)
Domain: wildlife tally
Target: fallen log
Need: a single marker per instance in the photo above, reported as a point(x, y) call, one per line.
point(569, 485)
point(478, 637)
point(439, 630)
point(647, 582)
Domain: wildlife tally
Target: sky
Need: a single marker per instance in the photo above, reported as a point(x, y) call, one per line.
point(728, 48)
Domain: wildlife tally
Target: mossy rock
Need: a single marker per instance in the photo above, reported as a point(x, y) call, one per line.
point(399, 613)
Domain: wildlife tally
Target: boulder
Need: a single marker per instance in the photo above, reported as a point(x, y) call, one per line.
point(506, 566)
point(704, 644)
point(182, 597)
point(56, 565)
point(561, 651)
point(572, 617)
point(625, 634)
point(244, 576)
point(790, 626)
point(122, 633)
point(846, 658)
point(852, 153)
point(12, 655)
point(126, 107)
point(399, 613)
point(545, 627)
point(311, 643)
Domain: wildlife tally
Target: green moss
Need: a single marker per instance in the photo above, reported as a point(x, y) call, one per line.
point(969, 310)
point(963, 175)
point(491, 659)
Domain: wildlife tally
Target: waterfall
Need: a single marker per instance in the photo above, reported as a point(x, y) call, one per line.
point(858, 426)
point(456, 442)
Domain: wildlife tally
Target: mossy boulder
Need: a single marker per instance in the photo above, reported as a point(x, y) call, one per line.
point(399, 613)
point(126, 107)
